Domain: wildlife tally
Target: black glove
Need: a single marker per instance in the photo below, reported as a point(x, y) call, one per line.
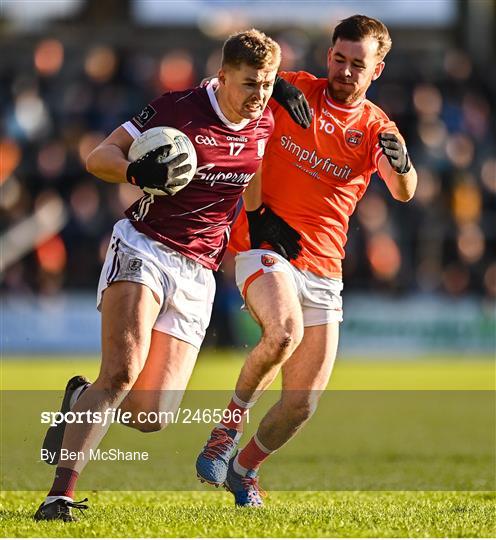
point(396, 152)
point(153, 171)
point(294, 101)
point(265, 226)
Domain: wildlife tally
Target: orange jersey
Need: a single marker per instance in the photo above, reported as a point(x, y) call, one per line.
point(313, 178)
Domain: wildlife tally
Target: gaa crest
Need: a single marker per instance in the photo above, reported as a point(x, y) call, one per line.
point(268, 260)
point(353, 137)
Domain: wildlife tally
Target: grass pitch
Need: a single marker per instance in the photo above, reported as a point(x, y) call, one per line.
point(287, 513)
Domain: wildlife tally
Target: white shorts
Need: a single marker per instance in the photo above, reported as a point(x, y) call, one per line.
point(320, 297)
point(184, 288)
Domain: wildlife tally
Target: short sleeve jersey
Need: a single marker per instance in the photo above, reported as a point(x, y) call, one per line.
point(196, 221)
point(314, 178)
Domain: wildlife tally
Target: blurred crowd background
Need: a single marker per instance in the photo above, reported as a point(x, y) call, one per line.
point(67, 82)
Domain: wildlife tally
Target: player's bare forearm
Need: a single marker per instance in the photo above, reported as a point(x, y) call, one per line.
point(108, 163)
point(405, 185)
point(108, 160)
point(252, 197)
point(395, 167)
point(401, 186)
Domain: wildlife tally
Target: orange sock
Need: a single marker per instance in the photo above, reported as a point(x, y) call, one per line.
point(252, 456)
point(234, 415)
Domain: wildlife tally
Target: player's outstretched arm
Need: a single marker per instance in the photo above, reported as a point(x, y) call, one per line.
point(396, 168)
point(294, 101)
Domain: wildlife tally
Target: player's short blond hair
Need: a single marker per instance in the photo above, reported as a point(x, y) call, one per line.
point(358, 27)
point(253, 48)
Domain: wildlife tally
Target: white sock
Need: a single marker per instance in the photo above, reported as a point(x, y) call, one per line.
point(240, 403)
point(51, 498)
point(244, 405)
point(261, 446)
point(239, 468)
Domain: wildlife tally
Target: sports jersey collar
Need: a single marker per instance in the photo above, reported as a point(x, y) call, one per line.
point(340, 107)
point(215, 104)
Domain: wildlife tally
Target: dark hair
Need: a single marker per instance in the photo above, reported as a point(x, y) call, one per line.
point(358, 27)
point(253, 48)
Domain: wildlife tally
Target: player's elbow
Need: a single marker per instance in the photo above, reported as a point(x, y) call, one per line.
point(90, 162)
point(97, 159)
point(404, 196)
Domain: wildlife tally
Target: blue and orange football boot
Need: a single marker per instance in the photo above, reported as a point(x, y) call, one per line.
point(246, 491)
point(212, 463)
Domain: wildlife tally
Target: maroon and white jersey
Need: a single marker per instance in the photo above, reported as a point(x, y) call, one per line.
point(196, 221)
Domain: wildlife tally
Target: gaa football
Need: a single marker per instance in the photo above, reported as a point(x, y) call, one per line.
point(159, 136)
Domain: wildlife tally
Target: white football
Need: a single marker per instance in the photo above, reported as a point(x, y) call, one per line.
point(158, 136)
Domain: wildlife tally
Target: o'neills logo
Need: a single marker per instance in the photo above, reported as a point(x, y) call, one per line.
point(268, 260)
point(353, 137)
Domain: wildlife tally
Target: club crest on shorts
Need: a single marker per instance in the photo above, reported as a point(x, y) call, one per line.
point(134, 265)
point(353, 137)
point(268, 260)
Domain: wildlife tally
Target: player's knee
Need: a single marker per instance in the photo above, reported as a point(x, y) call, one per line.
point(291, 334)
point(151, 427)
point(121, 380)
point(282, 340)
point(153, 417)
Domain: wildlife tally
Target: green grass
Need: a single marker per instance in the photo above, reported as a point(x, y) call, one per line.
point(218, 370)
point(287, 514)
point(440, 435)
